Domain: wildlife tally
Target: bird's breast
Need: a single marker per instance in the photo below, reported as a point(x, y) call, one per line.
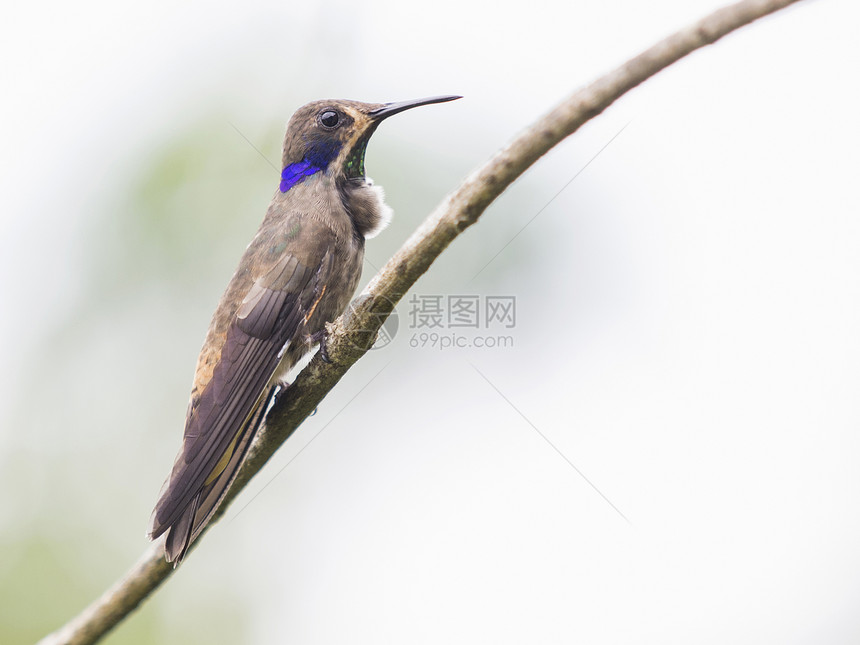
point(364, 201)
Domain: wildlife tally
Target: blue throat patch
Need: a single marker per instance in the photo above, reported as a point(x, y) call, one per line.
point(296, 173)
point(318, 156)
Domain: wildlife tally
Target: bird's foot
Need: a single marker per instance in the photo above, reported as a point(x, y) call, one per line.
point(320, 337)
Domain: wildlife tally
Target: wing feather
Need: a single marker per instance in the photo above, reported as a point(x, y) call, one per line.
point(218, 428)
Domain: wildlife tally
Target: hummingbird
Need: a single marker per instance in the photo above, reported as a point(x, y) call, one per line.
point(297, 274)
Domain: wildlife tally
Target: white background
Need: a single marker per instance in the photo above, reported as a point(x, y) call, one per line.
point(687, 327)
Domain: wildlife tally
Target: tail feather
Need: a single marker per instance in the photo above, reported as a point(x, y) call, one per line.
point(184, 529)
point(179, 536)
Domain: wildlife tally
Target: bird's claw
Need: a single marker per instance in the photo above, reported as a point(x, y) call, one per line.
point(320, 337)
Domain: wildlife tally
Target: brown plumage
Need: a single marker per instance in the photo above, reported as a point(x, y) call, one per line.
point(298, 273)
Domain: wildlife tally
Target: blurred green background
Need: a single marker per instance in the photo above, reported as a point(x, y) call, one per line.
point(686, 326)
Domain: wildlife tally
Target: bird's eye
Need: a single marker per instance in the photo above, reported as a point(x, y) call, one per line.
point(329, 118)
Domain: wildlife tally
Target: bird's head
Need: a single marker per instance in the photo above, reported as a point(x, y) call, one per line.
point(332, 135)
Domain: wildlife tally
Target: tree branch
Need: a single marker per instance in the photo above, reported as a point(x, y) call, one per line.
point(357, 328)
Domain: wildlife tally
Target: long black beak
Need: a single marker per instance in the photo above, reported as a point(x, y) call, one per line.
point(395, 108)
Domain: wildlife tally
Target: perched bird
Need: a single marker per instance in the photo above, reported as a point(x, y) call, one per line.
point(298, 273)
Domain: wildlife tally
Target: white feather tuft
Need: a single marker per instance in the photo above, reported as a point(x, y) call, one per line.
point(384, 212)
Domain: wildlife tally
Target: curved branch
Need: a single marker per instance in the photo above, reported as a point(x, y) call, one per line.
point(358, 328)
